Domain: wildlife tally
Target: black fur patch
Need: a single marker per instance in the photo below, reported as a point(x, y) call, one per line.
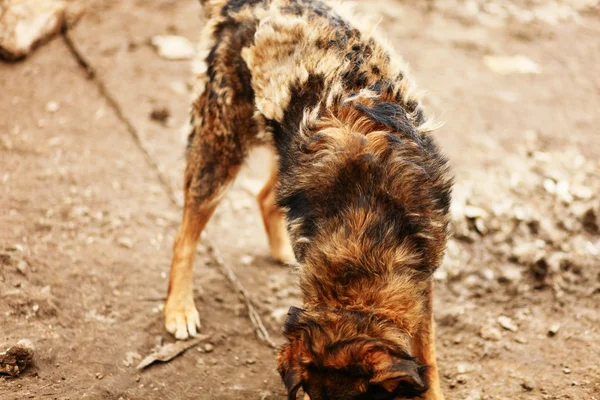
point(237, 5)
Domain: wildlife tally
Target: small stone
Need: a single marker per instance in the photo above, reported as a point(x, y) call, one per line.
point(567, 370)
point(582, 192)
point(22, 267)
point(528, 384)
point(553, 330)
point(99, 375)
point(521, 340)
point(589, 219)
point(550, 186)
point(473, 212)
point(490, 333)
point(461, 368)
point(172, 47)
point(563, 192)
point(488, 274)
point(125, 242)
point(507, 323)
point(517, 64)
point(52, 106)
point(510, 273)
point(480, 226)
point(250, 361)
point(160, 114)
point(247, 260)
point(462, 379)
point(208, 348)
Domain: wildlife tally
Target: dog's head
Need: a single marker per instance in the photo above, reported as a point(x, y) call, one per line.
point(346, 355)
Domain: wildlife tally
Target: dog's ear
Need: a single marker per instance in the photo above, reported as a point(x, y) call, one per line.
point(292, 382)
point(290, 370)
point(398, 374)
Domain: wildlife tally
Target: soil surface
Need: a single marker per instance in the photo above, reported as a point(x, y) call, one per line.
point(86, 225)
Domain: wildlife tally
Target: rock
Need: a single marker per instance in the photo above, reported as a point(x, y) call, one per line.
point(208, 348)
point(528, 384)
point(160, 114)
point(507, 323)
point(247, 259)
point(589, 219)
point(582, 192)
point(16, 358)
point(52, 106)
point(22, 267)
point(462, 379)
point(563, 192)
point(473, 212)
point(172, 47)
point(510, 273)
point(553, 330)
point(567, 370)
point(491, 333)
point(24, 24)
point(517, 64)
point(550, 186)
point(125, 242)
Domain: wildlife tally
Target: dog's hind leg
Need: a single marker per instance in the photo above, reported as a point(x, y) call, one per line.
point(274, 220)
point(214, 160)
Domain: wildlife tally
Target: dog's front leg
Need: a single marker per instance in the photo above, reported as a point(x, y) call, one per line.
point(423, 346)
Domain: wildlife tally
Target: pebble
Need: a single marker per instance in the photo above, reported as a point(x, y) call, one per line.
point(553, 330)
point(125, 242)
point(563, 192)
point(510, 273)
point(507, 323)
point(589, 219)
point(247, 260)
point(160, 114)
point(528, 384)
point(173, 47)
point(208, 347)
point(567, 370)
point(474, 212)
point(52, 106)
point(22, 267)
point(491, 333)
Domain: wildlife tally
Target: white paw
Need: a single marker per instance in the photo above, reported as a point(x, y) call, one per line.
point(182, 320)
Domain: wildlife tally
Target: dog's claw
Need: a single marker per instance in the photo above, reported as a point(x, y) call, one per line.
point(182, 322)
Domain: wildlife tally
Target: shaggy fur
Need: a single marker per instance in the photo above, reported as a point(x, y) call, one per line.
point(360, 185)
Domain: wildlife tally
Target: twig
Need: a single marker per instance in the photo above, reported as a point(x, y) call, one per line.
point(259, 327)
point(224, 269)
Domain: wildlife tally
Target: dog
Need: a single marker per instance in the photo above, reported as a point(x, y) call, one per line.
point(358, 197)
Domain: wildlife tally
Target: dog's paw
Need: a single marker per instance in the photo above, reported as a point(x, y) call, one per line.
point(182, 319)
point(284, 255)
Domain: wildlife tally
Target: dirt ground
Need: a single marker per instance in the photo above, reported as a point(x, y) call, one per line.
point(86, 226)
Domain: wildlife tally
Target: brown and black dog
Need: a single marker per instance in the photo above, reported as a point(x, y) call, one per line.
point(359, 186)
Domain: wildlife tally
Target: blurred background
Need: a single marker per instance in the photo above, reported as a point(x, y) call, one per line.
point(94, 97)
